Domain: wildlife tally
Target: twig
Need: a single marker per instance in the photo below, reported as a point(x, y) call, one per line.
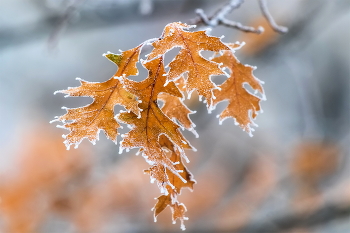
point(228, 23)
point(322, 215)
point(225, 10)
point(68, 14)
point(268, 16)
point(218, 18)
point(146, 7)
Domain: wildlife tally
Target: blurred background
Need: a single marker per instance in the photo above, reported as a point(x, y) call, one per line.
point(292, 176)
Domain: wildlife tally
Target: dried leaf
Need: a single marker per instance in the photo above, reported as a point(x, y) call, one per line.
point(243, 106)
point(189, 58)
point(174, 107)
point(176, 158)
point(178, 209)
point(85, 122)
point(152, 122)
point(154, 130)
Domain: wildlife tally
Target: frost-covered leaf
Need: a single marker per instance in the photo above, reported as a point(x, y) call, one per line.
point(155, 130)
point(189, 58)
point(152, 123)
point(176, 158)
point(174, 107)
point(243, 106)
point(178, 209)
point(85, 122)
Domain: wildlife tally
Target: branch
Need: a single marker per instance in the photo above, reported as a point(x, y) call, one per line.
point(66, 17)
point(94, 17)
point(268, 16)
point(322, 215)
point(228, 23)
point(218, 18)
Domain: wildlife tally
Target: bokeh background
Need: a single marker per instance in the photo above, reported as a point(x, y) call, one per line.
point(292, 176)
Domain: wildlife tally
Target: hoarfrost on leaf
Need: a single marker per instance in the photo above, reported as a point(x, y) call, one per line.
point(154, 129)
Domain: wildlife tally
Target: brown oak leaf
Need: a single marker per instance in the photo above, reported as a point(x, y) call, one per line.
point(152, 123)
point(243, 106)
point(178, 209)
point(174, 107)
point(85, 122)
point(189, 58)
point(155, 130)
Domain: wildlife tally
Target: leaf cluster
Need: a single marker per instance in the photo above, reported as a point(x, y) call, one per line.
point(155, 130)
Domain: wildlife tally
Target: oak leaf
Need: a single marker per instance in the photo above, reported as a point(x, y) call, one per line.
point(155, 130)
point(152, 123)
point(243, 106)
point(174, 107)
point(85, 122)
point(189, 58)
point(178, 209)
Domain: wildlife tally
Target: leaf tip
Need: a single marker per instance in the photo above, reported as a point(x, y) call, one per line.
point(54, 120)
point(115, 58)
point(60, 127)
point(208, 30)
point(183, 227)
point(67, 144)
point(262, 29)
point(192, 130)
point(58, 91)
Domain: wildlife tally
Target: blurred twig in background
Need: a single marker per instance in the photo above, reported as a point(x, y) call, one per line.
point(219, 18)
point(269, 18)
point(69, 13)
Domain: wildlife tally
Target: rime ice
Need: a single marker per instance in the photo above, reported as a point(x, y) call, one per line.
point(155, 129)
